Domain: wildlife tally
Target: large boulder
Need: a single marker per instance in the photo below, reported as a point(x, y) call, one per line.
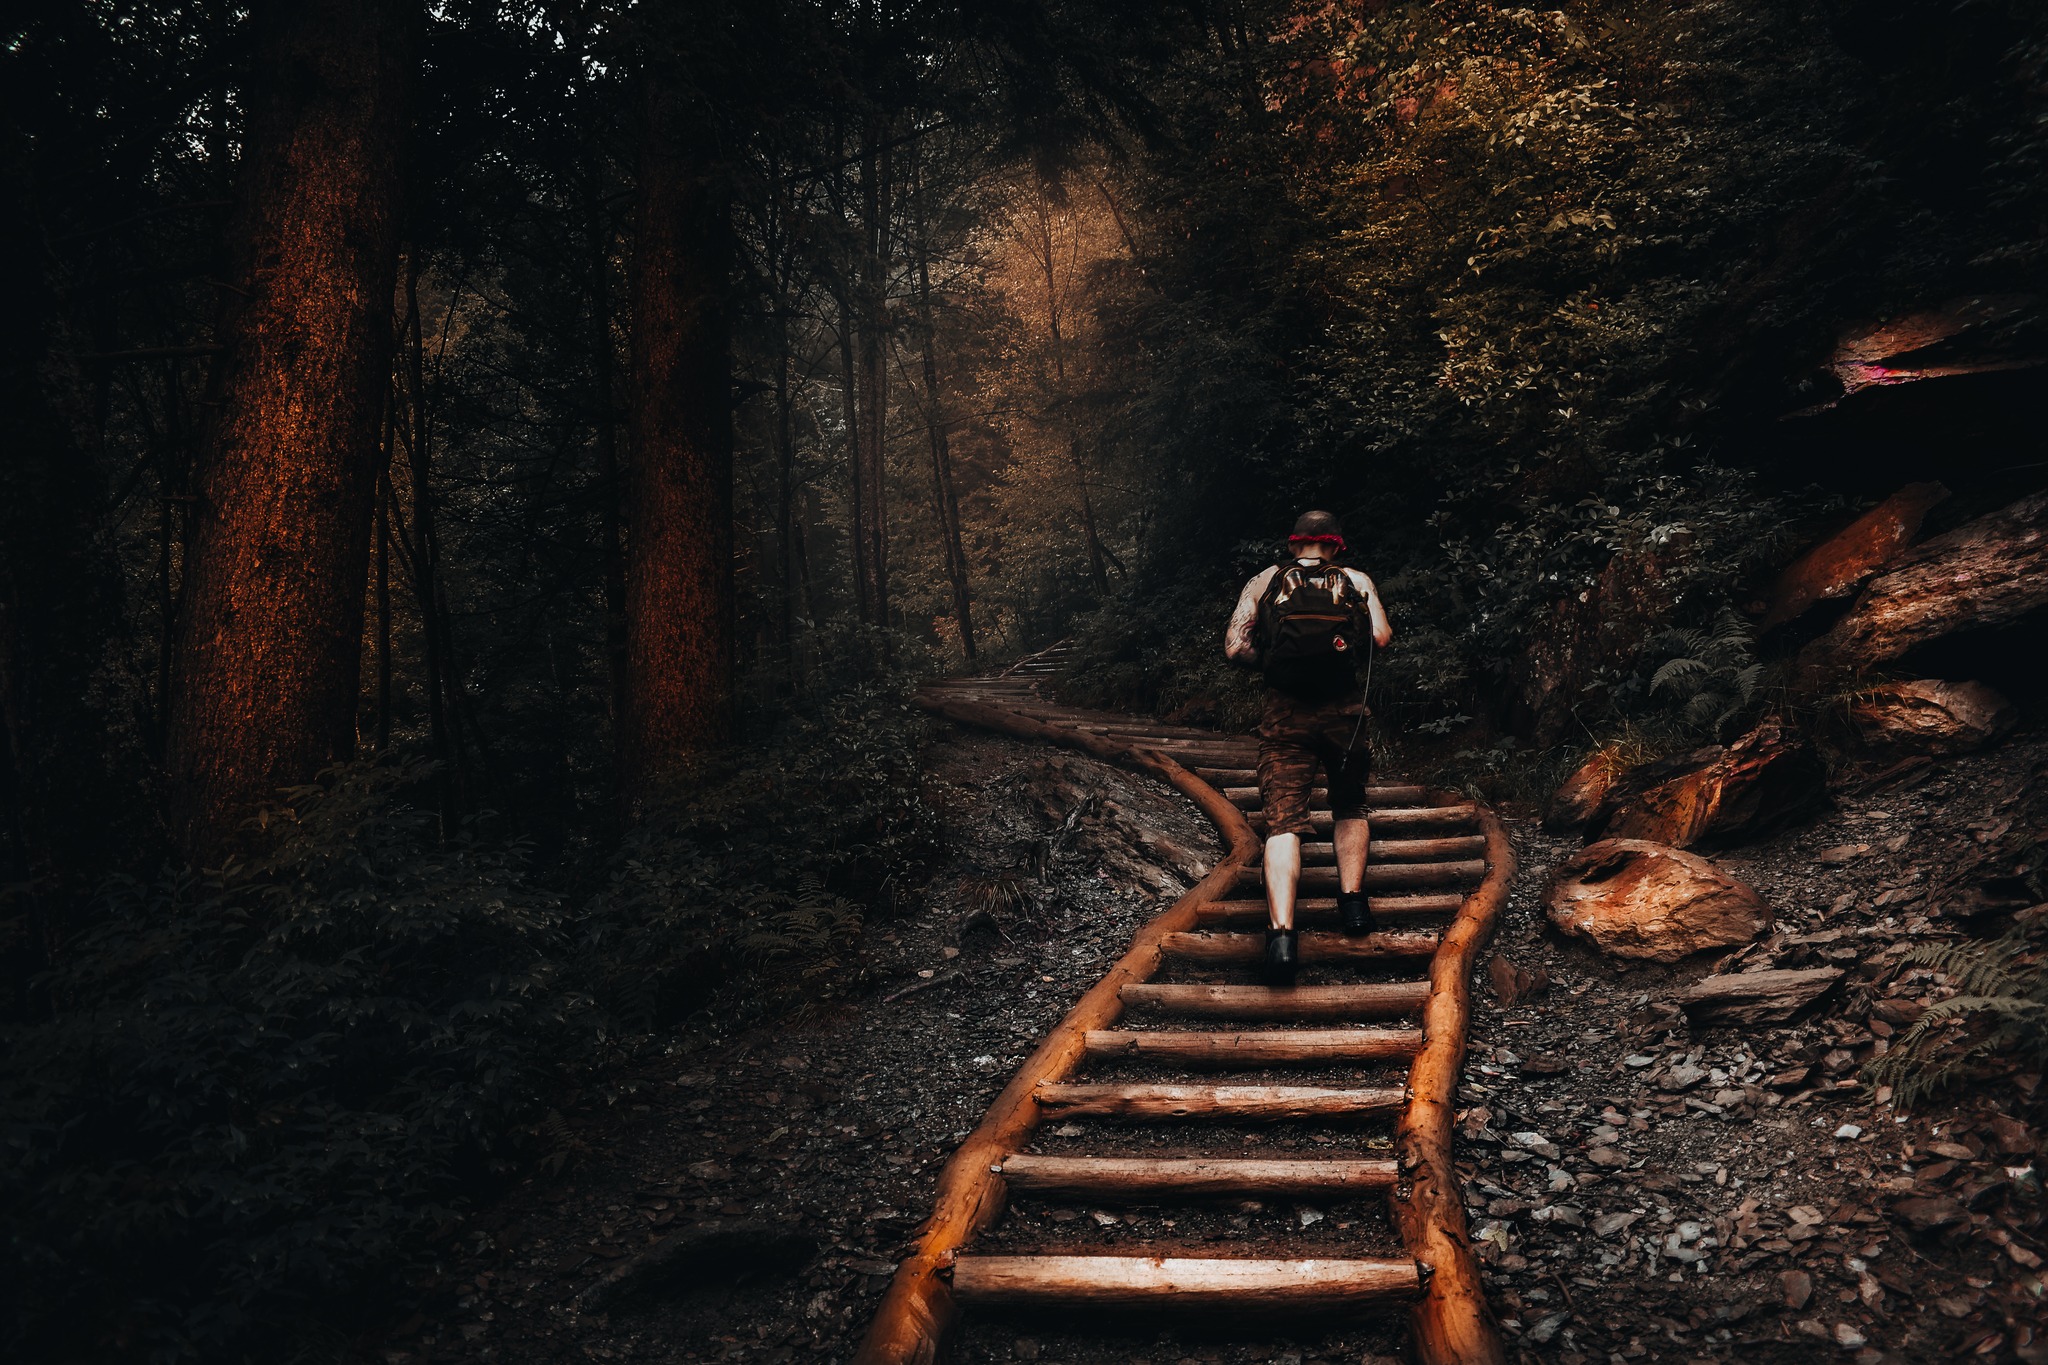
point(1839, 565)
point(1988, 572)
point(1716, 796)
point(1578, 797)
point(1637, 899)
point(1928, 716)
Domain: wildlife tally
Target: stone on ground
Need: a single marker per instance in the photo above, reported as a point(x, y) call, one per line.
point(1932, 717)
point(1579, 795)
point(1638, 899)
point(1716, 796)
point(1763, 997)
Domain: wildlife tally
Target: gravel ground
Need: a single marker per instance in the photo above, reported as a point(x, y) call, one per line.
point(1648, 1191)
point(1642, 1191)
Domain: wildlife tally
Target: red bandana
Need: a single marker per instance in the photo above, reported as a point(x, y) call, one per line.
point(1337, 541)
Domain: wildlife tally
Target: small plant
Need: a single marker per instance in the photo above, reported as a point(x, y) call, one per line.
point(1712, 674)
point(2000, 1010)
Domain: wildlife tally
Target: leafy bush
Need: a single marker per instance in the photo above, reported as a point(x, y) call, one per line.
point(265, 1088)
point(1712, 674)
point(261, 1095)
point(765, 857)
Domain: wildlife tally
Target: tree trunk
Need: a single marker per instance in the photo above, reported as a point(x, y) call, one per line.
point(679, 575)
point(863, 575)
point(442, 738)
point(269, 652)
point(945, 498)
point(383, 740)
point(788, 600)
point(1047, 254)
point(610, 540)
point(872, 322)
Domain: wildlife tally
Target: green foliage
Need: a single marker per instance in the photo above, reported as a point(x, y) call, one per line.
point(1999, 1011)
point(1159, 648)
point(263, 1093)
point(765, 857)
point(1712, 674)
point(268, 1087)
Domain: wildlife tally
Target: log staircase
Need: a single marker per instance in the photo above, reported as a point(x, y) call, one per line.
point(1185, 1003)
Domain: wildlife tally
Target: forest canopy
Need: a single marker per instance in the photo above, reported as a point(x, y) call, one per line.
point(483, 480)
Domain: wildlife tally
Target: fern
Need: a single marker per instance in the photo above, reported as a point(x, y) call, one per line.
point(2000, 1009)
point(1712, 676)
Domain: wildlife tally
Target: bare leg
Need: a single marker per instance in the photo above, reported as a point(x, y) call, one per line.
point(1283, 872)
point(1352, 837)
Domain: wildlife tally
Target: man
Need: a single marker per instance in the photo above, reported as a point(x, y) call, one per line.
point(1302, 624)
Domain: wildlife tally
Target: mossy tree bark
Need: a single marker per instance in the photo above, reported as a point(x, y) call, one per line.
point(269, 642)
point(679, 575)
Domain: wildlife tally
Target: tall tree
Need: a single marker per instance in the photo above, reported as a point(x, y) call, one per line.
point(269, 643)
point(871, 322)
point(945, 495)
point(679, 575)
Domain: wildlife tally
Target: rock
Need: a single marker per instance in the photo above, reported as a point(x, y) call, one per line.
point(1766, 997)
point(1847, 1337)
point(1637, 899)
point(1512, 985)
point(1798, 1288)
point(1716, 796)
point(1580, 795)
point(1840, 564)
point(1930, 717)
point(1988, 572)
point(1924, 1214)
point(2010, 1137)
point(1685, 1076)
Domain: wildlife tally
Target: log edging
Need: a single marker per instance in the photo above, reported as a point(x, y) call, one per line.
point(918, 1311)
point(1451, 1323)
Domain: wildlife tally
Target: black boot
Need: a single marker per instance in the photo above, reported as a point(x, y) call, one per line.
point(1283, 956)
point(1355, 912)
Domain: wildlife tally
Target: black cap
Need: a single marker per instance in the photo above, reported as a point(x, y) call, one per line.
point(1318, 526)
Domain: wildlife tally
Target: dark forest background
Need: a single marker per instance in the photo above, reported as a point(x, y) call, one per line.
point(482, 480)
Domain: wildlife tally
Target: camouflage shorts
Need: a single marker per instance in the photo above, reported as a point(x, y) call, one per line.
point(1295, 738)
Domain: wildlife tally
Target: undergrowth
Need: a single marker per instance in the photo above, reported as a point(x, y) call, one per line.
point(262, 1099)
point(1999, 1012)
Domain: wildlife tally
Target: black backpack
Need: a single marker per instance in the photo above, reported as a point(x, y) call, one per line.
point(1311, 623)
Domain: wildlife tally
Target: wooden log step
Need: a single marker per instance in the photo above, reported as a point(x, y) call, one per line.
point(1247, 798)
point(1244, 1103)
point(1113, 1177)
point(1181, 1283)
point(1317, 946)
point(1364, 1000)
point(1246, 1050)
point(1325, 907)
point(1392, 819)
point(1404, 850)
point(1378, 876)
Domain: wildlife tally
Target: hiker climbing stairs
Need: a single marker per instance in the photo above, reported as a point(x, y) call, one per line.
point(1182, 1052)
